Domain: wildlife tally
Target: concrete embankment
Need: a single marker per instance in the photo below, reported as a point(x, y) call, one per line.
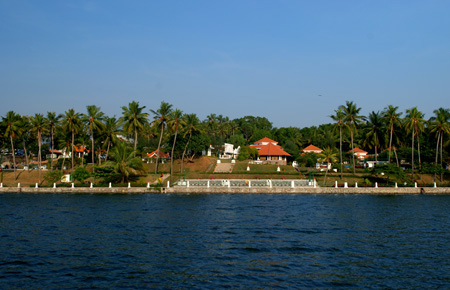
point(226, 190)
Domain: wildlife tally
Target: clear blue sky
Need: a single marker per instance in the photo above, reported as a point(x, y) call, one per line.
point(293, 62)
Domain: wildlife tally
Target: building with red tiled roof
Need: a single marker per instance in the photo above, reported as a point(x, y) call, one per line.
point(312, 149)
point(157, 153)
point(270, 152)
point(359, 153)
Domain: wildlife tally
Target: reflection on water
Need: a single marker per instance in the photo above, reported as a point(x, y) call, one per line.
point(63, 241)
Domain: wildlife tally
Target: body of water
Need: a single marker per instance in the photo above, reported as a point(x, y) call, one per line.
point(236, 241)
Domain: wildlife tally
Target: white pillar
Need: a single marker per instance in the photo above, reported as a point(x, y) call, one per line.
point(292, 184)
point(187, 183)
point(345, 185)
point(335, 184)
point(73, 185)
point(376, 184)
point(314, 183)
point(278, 169)
point(168, 184)
point(1, 185)
point(356, 184)
point(434, 185)
point(249, 183)
point(54, 185)
point(92, 185)
point(129, 185)
point(110, 185)
point(270, 183)
point(36, 185)
point(229, 183)
point(415, 184)
point(248, 168)
point(396, 186)
point(18, 185)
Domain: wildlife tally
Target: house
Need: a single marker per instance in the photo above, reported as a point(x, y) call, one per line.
point(80, 150)
point(312, 149)
point(270, 152)
point(229, 152)
point(158, 154)
point(359, 153)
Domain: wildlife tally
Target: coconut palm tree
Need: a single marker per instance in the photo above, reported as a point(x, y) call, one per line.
point(393, 119)
point(176, 122)
point(192, 125)
point(327, 156)
point(414, 124)
point(38, 126)
point(72, 123)
point(52, 121)
point(124, 161)
point(24, 132)
point(352, 120)
point(374, 135)
point(93, 120)
point(110, 132)
point(440, 124)
point(11, 123)
point(338, 117)
point(160, 120)
point(133, 120)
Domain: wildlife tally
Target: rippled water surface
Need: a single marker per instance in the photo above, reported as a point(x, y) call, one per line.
point(63, 241)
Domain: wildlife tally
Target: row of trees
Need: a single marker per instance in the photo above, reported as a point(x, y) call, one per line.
point(386, 134)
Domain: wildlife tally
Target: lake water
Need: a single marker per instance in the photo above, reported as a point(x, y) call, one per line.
point(237, 241)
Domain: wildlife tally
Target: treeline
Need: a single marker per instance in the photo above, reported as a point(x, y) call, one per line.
point(390, 135)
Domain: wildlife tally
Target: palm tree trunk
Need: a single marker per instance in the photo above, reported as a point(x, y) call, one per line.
point(442, 173)
point(396, 157)
point(14, 158)
point(412, 155)
point(26, 154)
point(107, 150)
point(171, 156)
point(390, 143)
point(73, 136)
point(39, 156)
point(157, 152)
point(376, 155)
point(437, 153)
point(325, 178)
point(135, 138)
point(184, 153)
point(93, 151)
point(340, 149)
point(353, 153)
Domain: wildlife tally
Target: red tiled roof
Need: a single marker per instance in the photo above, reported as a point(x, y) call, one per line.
point(271, 150)
point(79, 149)
point(161, 154)
point(312, 148)
point(357, 150)
point(266, 140)
point(55, 151)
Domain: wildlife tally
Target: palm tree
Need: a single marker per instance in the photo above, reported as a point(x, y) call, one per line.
point(110, 132)
point(414, 124)
point(327, 156)
point(374, 135)
point(392, 118)
point(24, 132)
point(352, 120)
point(93, 120)
point(72, 123)
point(339, 119)
point(192, 125)
point(440, 124)
point(11, 123)
point(160, 120)
point(124, 161)
point(133, 120)
point(52, 121)
point(176, 122)
point(38, 125)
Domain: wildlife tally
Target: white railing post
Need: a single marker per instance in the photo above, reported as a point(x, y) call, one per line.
point(270, 183)
point(92, 185)
point(396, 185)
point(434, 185)
point(73, 185)
point(110, 185)
point(376, 184)
point(129, 185)
point(415, 184)
point(335, 184)
point(148, 184)
point(345, 185)
point(168, 184)
point(54, 185)
point(207, 184)
point(1, 185)
point(187, 183)
point(356, 184)
point(249, 183)
point(229, 183)
point(18, 185)
point(36, 185)
point(292, 184)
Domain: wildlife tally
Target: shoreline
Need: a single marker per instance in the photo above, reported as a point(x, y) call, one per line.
point(226, 190)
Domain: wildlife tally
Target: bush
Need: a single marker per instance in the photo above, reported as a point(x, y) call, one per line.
point(80, 174)
point(53, 176)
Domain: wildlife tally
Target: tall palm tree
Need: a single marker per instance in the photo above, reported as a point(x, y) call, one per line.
point(72, 123)
point(393, 119)
point(52, 121)
point(11, 123)
point(133, 120)
point(327, 156)
point(38, 126)
point(440, 124)
point(352, 120)
point(192, 125)
point(338, 117)
point(160, 120)
point(24, 132)
point(93, 120)
point(374, 136)
point(110, 132)
point(176, 122)
point(413, 123)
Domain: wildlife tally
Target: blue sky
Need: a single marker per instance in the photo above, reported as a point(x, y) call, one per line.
point(293, 62)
